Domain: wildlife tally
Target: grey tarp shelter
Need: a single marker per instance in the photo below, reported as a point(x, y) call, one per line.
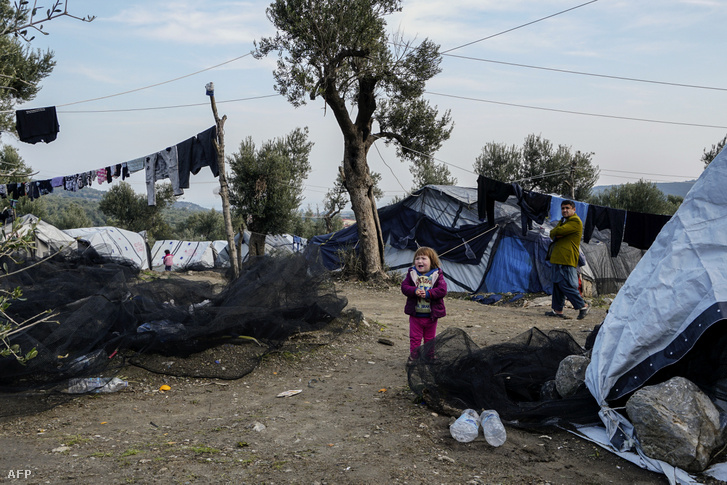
point(671, 314)
point(113, 244)
point(477, 256)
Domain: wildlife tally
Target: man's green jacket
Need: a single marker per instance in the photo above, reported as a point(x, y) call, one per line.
point(567, 236)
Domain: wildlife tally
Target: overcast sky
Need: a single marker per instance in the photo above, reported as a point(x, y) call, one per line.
point(142, 59)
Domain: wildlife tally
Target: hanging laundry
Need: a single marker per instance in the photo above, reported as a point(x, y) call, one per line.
point(162, 165)
point(57, 181)
point(489, 191)
point(641, 229)
point(606, 218)
point(44, 187)
point(101, 175)
point(205, 153)
point(136, 164)
point(39, 124)
point(185, 155)
point(16, 190)
point(533, 207)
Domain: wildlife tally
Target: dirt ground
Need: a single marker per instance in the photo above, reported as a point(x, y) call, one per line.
point(355, 421)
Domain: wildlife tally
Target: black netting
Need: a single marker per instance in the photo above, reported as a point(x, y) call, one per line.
point(453, 373)
point(107, 317)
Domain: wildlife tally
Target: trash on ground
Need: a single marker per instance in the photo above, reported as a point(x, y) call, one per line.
point(289, 393)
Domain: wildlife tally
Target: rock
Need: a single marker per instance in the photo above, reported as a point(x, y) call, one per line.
point(571, 374)
point(676, 422)
point(548, 391)
point(385, 341)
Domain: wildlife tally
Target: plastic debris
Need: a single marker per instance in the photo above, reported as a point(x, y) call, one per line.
point(289, 393)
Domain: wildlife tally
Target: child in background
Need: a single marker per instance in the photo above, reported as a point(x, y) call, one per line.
point(168, 260)
point(425, 289)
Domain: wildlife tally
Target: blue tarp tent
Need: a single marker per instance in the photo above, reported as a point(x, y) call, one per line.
point(477, 257)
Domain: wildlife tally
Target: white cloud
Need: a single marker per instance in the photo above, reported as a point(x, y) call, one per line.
point(208, 23)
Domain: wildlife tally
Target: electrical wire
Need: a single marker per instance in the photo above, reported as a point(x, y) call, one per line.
point(644, 173)
point(437, 159)
point(390, 169)
point(582, 73)
point(519, 26)
point(157, 84)
point(165, 107)
point(582, 113)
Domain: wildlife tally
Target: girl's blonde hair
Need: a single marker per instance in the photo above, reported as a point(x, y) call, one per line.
point(431, 254)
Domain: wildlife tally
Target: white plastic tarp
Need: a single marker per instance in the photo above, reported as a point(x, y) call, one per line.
point(675, 293)
point(48, 238)
point(114, 244)
point(197, 255)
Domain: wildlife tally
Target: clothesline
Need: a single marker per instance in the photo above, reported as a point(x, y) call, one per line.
point(634, 228)
point(175, 163)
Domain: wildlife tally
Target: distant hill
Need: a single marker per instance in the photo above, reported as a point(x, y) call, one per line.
point(669, 188)
point(89, 198)
point(90, 194)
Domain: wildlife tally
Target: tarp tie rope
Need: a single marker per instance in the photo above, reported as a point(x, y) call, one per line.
point(467, 241)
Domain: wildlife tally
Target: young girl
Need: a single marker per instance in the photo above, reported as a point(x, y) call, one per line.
point(425, 289)
point(168, 260)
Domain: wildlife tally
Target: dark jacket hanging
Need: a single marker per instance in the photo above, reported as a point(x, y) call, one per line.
point(489, 191)
point(605, 218)
point(39, 124)
point(641, 229)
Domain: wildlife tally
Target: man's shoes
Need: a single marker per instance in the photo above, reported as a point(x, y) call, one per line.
point(583, 312)
point(552, 313)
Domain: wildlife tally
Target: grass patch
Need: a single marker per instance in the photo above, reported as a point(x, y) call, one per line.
point(130, 452)
point(75, 439)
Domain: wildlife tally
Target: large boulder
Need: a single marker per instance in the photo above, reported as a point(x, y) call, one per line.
point(571, 374)
point(676, 422)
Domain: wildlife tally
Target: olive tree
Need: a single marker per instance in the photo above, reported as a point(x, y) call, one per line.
point(340, 51)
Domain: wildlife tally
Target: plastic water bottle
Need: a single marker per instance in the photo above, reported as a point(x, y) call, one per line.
point(466, 428)
point(95, 384)
point(492, 427)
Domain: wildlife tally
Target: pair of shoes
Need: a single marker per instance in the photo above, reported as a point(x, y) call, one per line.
point(583, 312)
point(551, 313)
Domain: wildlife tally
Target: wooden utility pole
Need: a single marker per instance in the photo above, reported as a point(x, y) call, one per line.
point(573, 180)
point(224, 189)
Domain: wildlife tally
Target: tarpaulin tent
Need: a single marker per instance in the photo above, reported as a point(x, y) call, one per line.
point(669, 317)
point(48, 238)
point(275, 244)
point(477, 256)
point(188, 255)
point(114, 245)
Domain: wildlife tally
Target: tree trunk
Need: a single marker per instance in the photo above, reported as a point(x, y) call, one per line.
point(257, 244)
point(360, 189)
point(224, 190)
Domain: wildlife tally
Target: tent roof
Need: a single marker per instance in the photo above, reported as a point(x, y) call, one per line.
point(676, 293)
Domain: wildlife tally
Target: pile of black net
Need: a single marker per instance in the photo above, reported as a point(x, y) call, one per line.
point(106, 317)
point(452, 373)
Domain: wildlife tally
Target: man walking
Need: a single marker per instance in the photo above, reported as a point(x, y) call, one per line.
point(566, 238)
